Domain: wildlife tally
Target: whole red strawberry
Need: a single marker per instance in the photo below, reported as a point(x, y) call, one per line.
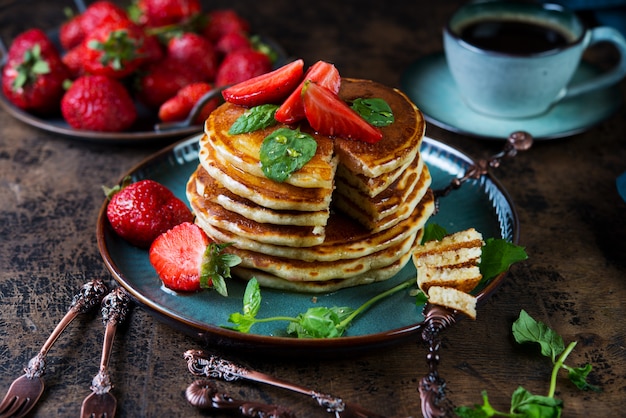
point(156, 13)
point(33, 76)
point(178, 107)
point(241, 65)
point(187, 261)
point(162, 80)
point(143, 210)
point(98, 103)
point(114, 49)
point(194, 51)
point(221, 22)
point(97, 14)
point(231, 42)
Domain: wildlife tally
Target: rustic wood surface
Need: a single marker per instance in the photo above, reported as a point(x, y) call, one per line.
point(573, 225)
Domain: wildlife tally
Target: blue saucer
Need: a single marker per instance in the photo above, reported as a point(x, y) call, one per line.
point(429, 84)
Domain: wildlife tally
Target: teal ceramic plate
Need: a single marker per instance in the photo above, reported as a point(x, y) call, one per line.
point(482, 204)
point(429, 84)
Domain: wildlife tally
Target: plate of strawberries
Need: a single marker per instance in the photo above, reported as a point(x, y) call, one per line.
point(131, 74)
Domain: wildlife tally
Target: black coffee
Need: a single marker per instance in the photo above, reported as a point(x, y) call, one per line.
point(512, 37)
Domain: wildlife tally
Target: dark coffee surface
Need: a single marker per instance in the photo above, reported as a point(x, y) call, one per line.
point(512, 37)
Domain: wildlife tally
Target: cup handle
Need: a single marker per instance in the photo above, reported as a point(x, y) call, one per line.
point(612, 76)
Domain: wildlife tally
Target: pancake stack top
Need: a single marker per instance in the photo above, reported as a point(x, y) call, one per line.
point(350, 216)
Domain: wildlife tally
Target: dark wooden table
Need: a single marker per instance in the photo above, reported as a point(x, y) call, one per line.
point(573, 225)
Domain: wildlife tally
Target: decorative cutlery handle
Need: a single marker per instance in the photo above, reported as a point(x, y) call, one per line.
point(89, 296)
point(203, 394)
point(202, 364)
point(516, 142)
point(115, 308)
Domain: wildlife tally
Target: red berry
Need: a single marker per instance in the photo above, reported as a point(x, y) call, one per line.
point(241, 65)
point(143, 210)
point(155, 13)
point(196, 52)
point(177, 256)
point(98, 103)
point(322, 73)
point(221, 22)
point(162, 80)
point(32, 78)
point(178, 107)
point(329, 115)
point(266, 88)
point(71, 33)
point(231, 42)
point(115, 49)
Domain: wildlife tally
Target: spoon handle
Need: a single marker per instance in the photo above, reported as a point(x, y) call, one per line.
point(115, 308)
point(90, 295)
point(200, 363)
point(203, 394)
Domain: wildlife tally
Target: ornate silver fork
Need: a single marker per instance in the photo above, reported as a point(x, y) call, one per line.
point(26, 390)
point(101, 403)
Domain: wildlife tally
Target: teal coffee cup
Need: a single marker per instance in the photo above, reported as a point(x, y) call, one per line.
point(517, 60)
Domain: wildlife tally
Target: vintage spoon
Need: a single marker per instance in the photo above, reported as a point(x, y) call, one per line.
point(101, 403)
point(200, 363)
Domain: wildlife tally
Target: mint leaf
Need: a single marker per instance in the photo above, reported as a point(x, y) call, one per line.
point(254, 119)
point(498, 255)
point(252, 298)
point(578, 376)
point(528, 405)
point(374, 110)
point(433, 232)
point(527, 330)
point(319, 322)
point(285, 151)
point(478, 411)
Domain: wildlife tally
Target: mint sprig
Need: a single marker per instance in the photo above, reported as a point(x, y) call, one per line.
point(524, 404)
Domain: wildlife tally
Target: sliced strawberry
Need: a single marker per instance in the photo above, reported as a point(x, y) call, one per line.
point(267, 88)
point(322, 73)
point(177, 256)
point(329, 115)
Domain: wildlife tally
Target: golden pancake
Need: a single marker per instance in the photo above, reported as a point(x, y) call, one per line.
point(401, 140)
point(208, 188)
point(242, 150)
point(264, 191)
point(374, 275)
point(388, 208)
point(371, 186)
point(215, 214)
point(345, 238)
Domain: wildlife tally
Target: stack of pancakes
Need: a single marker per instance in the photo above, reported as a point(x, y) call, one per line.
point(350, 216)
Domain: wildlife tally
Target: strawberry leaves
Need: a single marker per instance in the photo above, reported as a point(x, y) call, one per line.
point(216, 266)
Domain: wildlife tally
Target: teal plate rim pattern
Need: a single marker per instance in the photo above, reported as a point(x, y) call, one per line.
point(429, 84)
point(483, 204)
